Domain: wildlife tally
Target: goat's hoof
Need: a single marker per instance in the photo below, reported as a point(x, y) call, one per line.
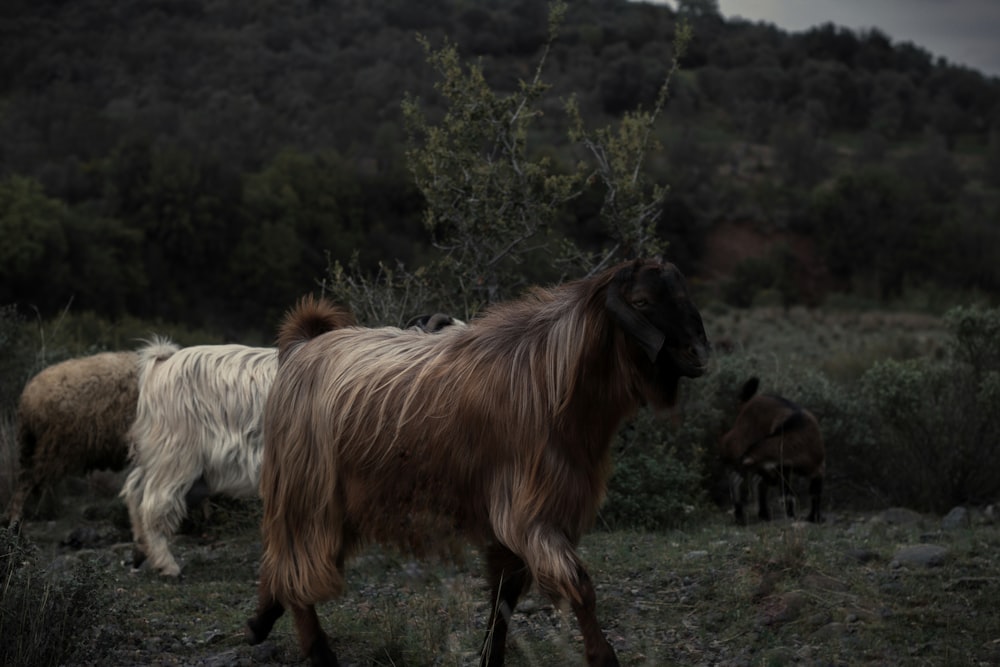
point(252, 634)
point(173, 571)
point(321, 655)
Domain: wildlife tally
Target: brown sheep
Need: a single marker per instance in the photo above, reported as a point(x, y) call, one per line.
point(74, 417)
point(498, 432)
point(773, 438)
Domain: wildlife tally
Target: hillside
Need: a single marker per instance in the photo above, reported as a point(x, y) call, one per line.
point(195, 161)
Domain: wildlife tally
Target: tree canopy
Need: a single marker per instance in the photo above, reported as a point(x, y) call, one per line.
point(205, 160)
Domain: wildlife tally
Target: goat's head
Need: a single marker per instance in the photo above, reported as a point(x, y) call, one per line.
point(650, 300)
point(433, 323)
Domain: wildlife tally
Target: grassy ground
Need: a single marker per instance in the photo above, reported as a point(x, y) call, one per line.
point(714, 594)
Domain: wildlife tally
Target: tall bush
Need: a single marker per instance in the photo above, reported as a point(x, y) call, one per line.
point(493, 199)
point(47, 615)
point(938, 427)
point(492, 204)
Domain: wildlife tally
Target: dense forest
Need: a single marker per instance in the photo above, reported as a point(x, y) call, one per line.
point(204, 161)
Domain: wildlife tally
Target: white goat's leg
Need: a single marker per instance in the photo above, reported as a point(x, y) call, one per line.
point(132, 494)
point(160, 558)
point(162, 510)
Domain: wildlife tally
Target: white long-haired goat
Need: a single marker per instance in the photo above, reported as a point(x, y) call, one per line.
point(197, 432)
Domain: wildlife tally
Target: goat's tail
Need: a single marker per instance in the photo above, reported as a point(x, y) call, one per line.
point(309, 318)
point(155, 349)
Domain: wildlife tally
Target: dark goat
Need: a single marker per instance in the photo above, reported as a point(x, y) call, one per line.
point(773, 438)
point(433, 323)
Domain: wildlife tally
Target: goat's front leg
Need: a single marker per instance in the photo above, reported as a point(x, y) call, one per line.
point(789, 494)
point(815, 495)
point(508, 577)
point(739, 492)
point(599, 651)
point(763, 508)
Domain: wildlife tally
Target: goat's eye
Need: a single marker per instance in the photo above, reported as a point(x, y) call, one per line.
point(640, 303)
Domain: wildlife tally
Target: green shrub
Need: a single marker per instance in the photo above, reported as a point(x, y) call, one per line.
point(937, 422)
point(654, 484)
point(48, 614)
point(16, 356)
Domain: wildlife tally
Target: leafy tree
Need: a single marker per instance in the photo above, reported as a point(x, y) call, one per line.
point(299, 211)
point(632, 205)
point(991, 163)
point(933, 171)
point(33, 267)
point(53, 256)
point(803, 158)
point(493, 202)
point(866, 224)
point(107, 270)
point(488, 199)
point(183, 204)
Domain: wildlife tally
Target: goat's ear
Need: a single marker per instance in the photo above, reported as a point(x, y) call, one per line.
point(749, 389)
point(649, 337)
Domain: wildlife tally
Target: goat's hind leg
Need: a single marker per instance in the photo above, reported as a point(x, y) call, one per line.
point(162, 509)
point(132, 494)
point(739, 493)
point(815, 495)
point(508, 577)
point(15, 509)
point(312, 639)
point(763, 507)
point(788, 493)
point(269, 610)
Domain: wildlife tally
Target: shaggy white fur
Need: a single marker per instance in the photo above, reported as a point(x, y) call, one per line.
point(198, 422)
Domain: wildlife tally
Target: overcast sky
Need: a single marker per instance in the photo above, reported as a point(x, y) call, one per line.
point(966, 32)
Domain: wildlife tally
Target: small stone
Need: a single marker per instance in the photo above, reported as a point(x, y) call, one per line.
point(831, 631)
point(901, 516)
point(925, 555)
point(958, 517)
point(863, 555)
point(823, 583)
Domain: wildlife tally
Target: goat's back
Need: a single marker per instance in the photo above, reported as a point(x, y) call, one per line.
point(202, 395)
point(75, 414)
point(773, 430)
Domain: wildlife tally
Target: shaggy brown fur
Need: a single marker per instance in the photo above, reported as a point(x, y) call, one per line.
point(73, 417)
point(774, 439)
point(498, 432)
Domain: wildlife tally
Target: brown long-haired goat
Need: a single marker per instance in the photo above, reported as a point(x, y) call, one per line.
point(498, 432)
point(773, 438)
